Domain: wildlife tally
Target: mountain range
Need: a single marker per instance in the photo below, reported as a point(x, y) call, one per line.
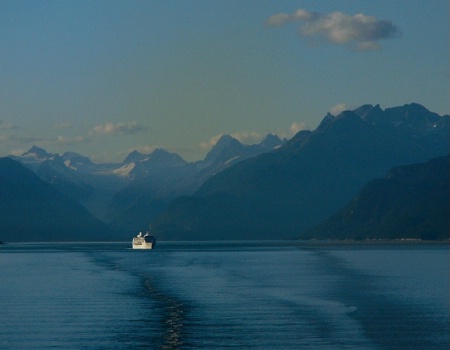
point(276, 189)
point(128, 195)
point(284, 193)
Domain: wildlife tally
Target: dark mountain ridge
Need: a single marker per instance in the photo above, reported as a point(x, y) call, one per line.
point(282, 193)
point(33, 210)
point(411, 202)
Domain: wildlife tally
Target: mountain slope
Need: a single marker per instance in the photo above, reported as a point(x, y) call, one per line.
point(410, 202)
point(282, 193)
point(32, 210)
point(137, 204)
point(130, 194)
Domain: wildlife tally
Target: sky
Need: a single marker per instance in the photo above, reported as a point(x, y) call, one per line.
point(105, 77)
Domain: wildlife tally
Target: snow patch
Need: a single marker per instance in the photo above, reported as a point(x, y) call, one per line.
point(125, 170)
point(68, 164)
point(230, 160)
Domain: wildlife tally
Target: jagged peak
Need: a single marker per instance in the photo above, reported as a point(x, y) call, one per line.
point(363, 110)
point(161, 154)
point(344, 118)
point(406, 108)
point(367, 111)
point(157, 151)
point(134, 156)
point(225, 140)
point(76, 157)
point(327, 120)
point(417, 106)
point(271, 141)
point(158, 154)
point(38, 153)
point(414, 115)
point(346, 114)
point(136, 153)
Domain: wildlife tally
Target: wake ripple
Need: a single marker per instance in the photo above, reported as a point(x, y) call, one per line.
point(172, 318)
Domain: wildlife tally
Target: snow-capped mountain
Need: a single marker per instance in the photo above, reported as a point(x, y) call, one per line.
point(38, 154)
point(229, 150)
point(131, 186)
point(137, 165)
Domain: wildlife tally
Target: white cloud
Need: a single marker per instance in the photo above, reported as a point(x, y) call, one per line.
point(62, 140)
point(278, 20)
point(293, 129)
point(360, 32)
point(17, 152)
point(282, 18)
point(339, 108)
point(248, 137)
point(296, 127)
point(207, 145)
point(116, 129)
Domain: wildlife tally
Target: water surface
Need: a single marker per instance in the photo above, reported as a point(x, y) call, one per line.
point(262, 295)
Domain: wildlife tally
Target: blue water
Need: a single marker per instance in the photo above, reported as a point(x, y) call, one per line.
point(268, 295)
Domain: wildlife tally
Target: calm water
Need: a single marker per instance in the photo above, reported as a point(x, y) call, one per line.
point(220, 296)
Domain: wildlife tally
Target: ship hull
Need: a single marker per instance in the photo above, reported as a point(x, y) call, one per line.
point(145, 242)
point(142, 245)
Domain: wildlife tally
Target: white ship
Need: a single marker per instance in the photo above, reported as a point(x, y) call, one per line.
point(144, 241)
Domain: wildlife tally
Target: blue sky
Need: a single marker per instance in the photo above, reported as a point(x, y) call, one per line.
point(105, 77)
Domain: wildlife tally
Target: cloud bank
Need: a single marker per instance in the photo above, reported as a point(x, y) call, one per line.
point(17, 142)
point(339, 108)
point(359, 32)
point(116, 129)
point(295, 128)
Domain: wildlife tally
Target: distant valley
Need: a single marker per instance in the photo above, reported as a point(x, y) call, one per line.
point(277, 189)
point(127, 196)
